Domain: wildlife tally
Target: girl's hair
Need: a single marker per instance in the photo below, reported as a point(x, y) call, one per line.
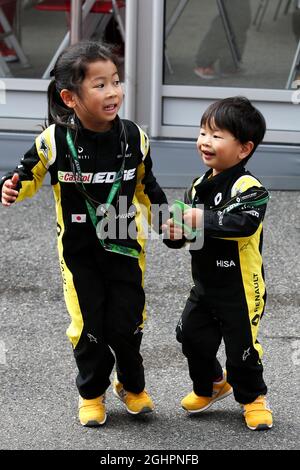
point(69, 72)
point(238, 116)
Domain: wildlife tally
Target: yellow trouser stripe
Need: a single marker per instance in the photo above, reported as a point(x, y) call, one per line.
point(251, 269)
point(142, 219)
point(75, 329)
point(141, 239)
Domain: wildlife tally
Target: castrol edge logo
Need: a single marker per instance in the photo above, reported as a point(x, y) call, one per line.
point(69, 177)
point(104, 177)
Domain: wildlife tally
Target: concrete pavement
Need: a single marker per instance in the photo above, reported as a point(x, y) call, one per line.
point(38, 395)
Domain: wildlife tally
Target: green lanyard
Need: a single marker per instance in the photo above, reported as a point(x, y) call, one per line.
point(122, 250)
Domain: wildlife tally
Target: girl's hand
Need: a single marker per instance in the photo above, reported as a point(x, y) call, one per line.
point(173, 231)
point(193, 218)
point(9, 193)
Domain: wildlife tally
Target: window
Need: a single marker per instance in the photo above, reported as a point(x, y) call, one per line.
point(232, 43)
point(36, 30)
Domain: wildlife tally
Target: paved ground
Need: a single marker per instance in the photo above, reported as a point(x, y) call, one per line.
point(38, 396)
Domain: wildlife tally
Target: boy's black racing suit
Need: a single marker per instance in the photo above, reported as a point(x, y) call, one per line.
point(103, 290)
point(228, 296)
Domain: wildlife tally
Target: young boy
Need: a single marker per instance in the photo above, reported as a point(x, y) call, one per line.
point(228, 298)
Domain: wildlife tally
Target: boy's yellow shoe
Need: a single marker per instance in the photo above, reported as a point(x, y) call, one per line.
point(196, 404)
point(257, 415)
point(92, 412)
point(135, 403)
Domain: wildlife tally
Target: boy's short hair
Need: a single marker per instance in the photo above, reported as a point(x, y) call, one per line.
point(238, 116)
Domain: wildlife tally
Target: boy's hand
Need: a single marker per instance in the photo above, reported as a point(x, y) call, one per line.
point(173, 231)
point(9, 193)
point(193, 218)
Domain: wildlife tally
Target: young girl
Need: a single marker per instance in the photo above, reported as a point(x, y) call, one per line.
point(99, 165)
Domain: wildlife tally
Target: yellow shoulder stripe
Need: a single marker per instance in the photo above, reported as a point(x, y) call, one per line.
point(197, 181)
point(46, 146)
point(144, 142)
point(243, 183)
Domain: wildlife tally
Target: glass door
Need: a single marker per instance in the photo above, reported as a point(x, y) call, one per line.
point(211, 49)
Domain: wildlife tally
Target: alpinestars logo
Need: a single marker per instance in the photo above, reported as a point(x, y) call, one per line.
point(44, 148)
point(92, 338)
point(246, 354)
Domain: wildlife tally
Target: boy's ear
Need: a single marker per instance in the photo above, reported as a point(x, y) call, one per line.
point(68, 98)
point(246, 149)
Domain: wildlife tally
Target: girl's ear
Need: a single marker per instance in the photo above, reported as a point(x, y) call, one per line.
point(246, 149)
point(68, 98)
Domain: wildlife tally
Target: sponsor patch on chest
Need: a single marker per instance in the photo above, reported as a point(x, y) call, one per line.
point(100, 177)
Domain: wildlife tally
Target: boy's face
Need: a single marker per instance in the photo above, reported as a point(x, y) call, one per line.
point(220, 149)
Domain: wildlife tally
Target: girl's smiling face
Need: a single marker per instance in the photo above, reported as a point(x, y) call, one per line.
point(220, 149)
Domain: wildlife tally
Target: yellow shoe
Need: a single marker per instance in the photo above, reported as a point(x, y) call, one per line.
point(135, 403)
point(92, 412)
point(196, 404)
point(257, 415)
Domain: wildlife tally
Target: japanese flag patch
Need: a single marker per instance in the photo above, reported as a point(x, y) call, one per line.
point(79, 218)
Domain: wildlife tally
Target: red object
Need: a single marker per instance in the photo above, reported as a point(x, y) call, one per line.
point(7, 2)
point(9, 9)
point(8, 54)
point(100, 6)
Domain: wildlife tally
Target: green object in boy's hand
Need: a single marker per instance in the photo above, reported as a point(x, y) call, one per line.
point(178, 208)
